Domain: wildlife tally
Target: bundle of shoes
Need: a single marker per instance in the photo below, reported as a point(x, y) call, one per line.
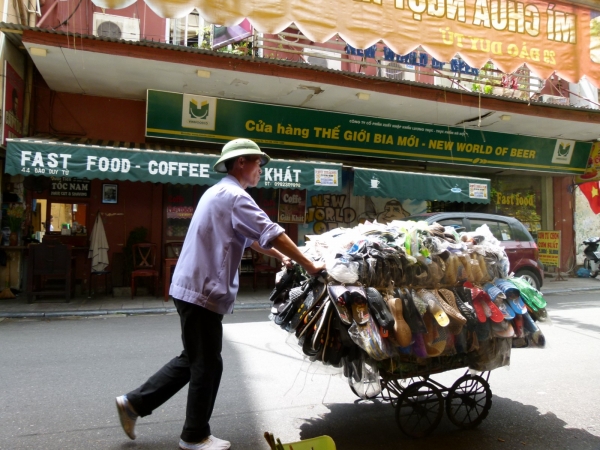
point(409, 292)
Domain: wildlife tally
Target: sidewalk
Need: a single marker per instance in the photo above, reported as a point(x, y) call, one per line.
point(247, 299)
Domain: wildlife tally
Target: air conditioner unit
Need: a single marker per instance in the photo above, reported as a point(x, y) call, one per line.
point(321, 58)
point(554, 99)
point(392, 70)
point(116, 27)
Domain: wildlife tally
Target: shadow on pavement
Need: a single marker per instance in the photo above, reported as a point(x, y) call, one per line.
point(509, 425)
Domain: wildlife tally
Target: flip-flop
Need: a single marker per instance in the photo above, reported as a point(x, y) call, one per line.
point(419, 303)
point(478, 305)
point(516, 304)
point(493, 291)
point(338, 294)
point(506, 311)
point(495, 313)
point(529, 324)
point(434, 341)
point(317, 341)
point(418, 346)
point(503, 329)
point(402, 333)
point(434, 307)
point(360, 313)
point(466, 309)
point(518, 326)
point(529, 294)
point(410, 312)
point(512, 295)
point(448, 302)
point(379, 309)
point(301, 311)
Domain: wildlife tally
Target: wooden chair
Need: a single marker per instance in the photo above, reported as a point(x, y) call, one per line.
point(51, 271)
point(172, 251)
point(261, 266)
point(94, 278)
point(144, 265)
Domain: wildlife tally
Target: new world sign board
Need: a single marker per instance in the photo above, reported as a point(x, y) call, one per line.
point(208, 119)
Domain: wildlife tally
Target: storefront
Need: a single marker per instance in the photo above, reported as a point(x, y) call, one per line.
point(156, 186)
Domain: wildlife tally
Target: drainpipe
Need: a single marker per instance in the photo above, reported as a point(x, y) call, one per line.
point(19, 8)
point(46, 14)
point(28, 82)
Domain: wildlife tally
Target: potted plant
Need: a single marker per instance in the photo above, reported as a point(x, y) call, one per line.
point(16, 215)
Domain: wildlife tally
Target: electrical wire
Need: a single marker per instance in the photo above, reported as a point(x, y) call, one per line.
point(64, 22)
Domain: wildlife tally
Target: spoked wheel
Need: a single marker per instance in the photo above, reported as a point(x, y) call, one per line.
point(367, 390)
point(419, 409)
point(469, 401)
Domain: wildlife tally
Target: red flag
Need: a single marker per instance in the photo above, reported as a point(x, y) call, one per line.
point(592, 192)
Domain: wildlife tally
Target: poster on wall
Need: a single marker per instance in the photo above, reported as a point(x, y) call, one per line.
point(12, 106)
point(326, 211)
point(548, 243)
point(70, 187)
point(592, 171)
point(292, 206)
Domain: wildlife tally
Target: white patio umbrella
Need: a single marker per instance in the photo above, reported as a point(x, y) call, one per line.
point(98, 246)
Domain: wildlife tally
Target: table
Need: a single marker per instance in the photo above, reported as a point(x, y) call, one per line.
point(168, 263)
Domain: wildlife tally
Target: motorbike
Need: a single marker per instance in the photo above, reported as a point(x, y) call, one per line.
point(592, 256)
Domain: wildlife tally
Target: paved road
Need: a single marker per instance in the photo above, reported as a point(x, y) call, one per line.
point(58, 380)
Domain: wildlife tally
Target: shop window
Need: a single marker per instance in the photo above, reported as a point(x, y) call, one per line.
point(500, 230)
point(457, 224)
point(180, 204)
point(55, 217)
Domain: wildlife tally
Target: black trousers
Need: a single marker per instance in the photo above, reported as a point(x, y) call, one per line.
point(200, 364)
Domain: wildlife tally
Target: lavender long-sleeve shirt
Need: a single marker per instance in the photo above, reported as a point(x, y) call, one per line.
point(226, 221)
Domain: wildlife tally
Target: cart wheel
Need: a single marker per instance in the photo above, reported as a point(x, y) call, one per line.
point(365, 390)
point(469, 401)
point(419, 409)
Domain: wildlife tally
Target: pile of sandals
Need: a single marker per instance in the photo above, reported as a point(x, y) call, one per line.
point(409, 294)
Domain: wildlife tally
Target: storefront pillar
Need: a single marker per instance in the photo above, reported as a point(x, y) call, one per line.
point(547, 203)
point(564, 220)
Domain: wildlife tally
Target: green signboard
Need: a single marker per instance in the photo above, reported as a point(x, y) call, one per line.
point(209, 119)
point(60, 159)
point(420, 186)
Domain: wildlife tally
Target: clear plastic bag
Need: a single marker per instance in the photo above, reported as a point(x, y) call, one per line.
point(491, 354)
point(363, 377)
point(343, 270)
point(368, 338)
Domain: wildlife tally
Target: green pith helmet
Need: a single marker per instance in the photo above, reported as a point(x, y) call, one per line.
point(239, 147)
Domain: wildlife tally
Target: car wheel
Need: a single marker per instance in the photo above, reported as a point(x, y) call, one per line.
point(530, 277)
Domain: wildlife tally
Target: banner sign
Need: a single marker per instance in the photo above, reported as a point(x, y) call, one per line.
point(12, 107)
point(70, 187)
point(592, 171)
point(420, 186)
point(57, 159)
point(292, 206)
point(208, 119)
point(547, 36)
point(548, 243)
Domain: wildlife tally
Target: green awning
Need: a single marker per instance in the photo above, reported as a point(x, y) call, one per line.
point(154, 163)
point(420, 186)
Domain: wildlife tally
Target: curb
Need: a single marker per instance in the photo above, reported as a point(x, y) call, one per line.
point(566, 290)
point(111, 312)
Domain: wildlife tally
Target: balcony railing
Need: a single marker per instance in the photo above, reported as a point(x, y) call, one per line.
point(377, 61)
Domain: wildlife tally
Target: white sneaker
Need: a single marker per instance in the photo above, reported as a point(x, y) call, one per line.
point(210, 443)
point(127, 416)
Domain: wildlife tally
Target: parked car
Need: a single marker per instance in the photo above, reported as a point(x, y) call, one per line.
point(521, 249)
